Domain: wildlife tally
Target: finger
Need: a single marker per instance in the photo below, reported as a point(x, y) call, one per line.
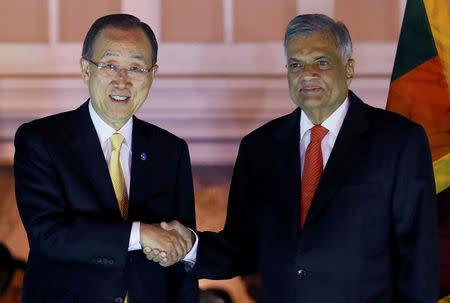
point(179, 246)
point(147, 250)
point(183, 245)
point(150, 258)
point(160, 257)
point(174, 224)
point(171, 253)
point(154, 254)
point(182, 230)
point(166, 264)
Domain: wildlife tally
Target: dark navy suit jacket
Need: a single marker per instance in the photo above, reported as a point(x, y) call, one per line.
point(78, 240)
point(370, 235)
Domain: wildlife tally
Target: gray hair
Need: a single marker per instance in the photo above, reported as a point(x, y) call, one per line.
point(317, 23)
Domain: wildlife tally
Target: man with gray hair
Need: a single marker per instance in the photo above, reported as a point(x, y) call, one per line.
point(334, 202)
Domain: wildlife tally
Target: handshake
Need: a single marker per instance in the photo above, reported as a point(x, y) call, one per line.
point(166, 243)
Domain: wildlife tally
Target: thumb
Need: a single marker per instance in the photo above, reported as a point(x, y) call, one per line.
point(165, 226)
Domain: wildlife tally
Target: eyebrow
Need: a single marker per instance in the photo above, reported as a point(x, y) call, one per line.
point(315, 58)
point(321, 57)
point(111, 54)
point(139, 57)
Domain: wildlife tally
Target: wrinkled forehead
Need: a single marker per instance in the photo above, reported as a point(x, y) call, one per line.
point(324, 35)
point(317, 42)
point(132, 42)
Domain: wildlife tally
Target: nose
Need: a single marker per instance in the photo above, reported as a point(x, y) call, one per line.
point(122, 72)
point(310, 72)
point(122, 80)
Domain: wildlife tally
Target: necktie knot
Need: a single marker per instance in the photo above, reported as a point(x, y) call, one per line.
point(317, 133)
point(116, 141)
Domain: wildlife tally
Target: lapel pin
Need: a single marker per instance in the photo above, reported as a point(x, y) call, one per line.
point(143, 156)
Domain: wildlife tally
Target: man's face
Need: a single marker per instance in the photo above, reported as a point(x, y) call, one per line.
point(318, 79)
point(116, 97)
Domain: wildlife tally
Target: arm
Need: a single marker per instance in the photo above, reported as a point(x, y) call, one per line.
point(233, 251)
point(416, 258)
point(55, 231)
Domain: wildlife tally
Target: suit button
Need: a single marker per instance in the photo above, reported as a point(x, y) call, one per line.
point(110, 261)
point(99, 260)
point(118, 300)
point(301, 273)
point(105, 261)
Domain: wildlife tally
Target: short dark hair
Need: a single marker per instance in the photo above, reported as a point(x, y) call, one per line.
point(318, 23)
point(121, 21)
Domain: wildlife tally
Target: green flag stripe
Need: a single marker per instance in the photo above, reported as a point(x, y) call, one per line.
point(416, 44)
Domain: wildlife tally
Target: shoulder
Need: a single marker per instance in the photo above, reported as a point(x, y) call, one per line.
point(277, 130)
point(52, 125)
point(390, 123)
point(385, 129)
point(157, 133)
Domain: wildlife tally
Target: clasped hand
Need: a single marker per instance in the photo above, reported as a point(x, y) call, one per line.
point(166, 243)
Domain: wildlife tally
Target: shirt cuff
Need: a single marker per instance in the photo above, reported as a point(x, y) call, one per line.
point(191, 257)
point(135, 237)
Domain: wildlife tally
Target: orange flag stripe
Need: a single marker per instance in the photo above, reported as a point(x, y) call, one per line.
point(422, 95)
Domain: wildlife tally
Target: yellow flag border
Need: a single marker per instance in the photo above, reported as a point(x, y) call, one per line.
point(441, 169)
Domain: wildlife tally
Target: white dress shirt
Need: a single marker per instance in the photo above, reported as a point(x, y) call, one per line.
point(104, 132)
point(333, 123)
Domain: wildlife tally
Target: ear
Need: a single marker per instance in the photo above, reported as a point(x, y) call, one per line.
point(153, 72)
point(155, 69)
point(85, 72)
point(349, 70)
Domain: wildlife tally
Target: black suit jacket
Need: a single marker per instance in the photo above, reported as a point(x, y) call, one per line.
point(78, 240)
point(370, 234)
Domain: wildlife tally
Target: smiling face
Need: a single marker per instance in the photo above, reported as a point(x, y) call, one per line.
point(318, 79)
point(116, 98)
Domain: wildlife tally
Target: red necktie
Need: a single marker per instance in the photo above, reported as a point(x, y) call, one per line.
point(312, 169)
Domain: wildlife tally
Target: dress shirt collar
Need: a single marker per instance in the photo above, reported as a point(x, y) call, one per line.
point(104, 131)
point(333, 123)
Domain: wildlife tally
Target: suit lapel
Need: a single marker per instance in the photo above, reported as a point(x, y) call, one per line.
point(141, 162)
point(286, 159)
point(87, 157)
point(350, 144)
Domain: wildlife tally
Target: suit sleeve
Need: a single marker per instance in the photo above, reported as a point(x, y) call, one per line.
point(54, 233)
point(183, 287)
point(233, 251)
point(416, 257)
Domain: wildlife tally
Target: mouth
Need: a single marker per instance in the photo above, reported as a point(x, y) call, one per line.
point(119, 98)
point(310, 90)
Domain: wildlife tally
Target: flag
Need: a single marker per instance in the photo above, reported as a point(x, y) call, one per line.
point(420, 91)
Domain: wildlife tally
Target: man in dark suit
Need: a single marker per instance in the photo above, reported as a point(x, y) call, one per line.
point(91, 182)
point(333, 202)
